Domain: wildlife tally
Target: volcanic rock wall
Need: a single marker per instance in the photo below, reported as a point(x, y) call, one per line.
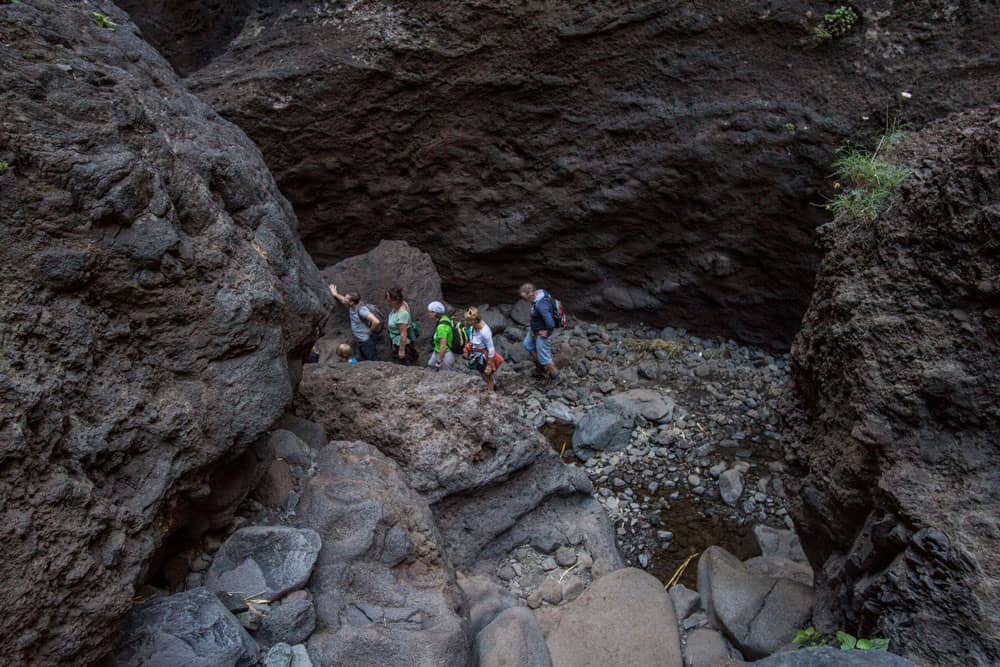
point(897, 368)
point(155, 299)
point(660, 161)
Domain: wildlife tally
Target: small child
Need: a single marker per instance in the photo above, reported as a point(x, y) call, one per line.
point(344, 352)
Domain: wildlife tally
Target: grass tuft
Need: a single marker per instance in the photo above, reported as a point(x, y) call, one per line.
point(673, 348)
point(866, 181)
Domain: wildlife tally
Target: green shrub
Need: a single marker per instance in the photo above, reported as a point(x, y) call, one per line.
point(848, 642)
point(836, 24)
point(865, 181)
point(3, 166)
point(103, 21)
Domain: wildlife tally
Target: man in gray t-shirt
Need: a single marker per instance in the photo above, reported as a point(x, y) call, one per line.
point(364, 323)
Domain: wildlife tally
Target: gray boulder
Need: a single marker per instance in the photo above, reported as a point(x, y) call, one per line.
point(772, 566)
point(305, 430)
point(191, 628)
point(492, 479)
point(290, 622)
point(280, 655)
point(832, 657)
point(758, 614)
point(290, 448)
point(624, 618)
point(705, 648)
point(731, 486)
point(601, 428)
point(646, 403)
point(513, 639)
point(443, 441)
point(485, 600)
point(264, 562)
point(384, 590)
point(685, 600)
point(780, 543)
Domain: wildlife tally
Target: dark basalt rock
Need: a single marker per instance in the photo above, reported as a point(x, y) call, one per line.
point(896, 367)
point(655, 161)
point(156, 302)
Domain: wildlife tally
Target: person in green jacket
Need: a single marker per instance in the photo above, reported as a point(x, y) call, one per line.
point(444, 335)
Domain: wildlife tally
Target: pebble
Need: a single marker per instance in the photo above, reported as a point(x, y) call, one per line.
point(551, 591)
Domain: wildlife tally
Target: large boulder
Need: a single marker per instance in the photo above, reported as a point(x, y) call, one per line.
point(156, 305)
point(602, 429)
point(493, 481)
point(444, 440)
point(833, 657)
point(624, 618)
point(513, 639)
point(539, 139)
point(191, 628)
point(895, 491)
point(264, 562)
point(384, 590)
point(758, 613)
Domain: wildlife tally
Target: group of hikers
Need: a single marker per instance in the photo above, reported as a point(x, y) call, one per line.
point(471, 339)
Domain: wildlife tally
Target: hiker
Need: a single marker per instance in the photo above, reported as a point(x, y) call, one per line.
point(480, 352)
point(365, 324)
point(538, 342)
point(403, 329)
point(344, 354)
point(444, 337)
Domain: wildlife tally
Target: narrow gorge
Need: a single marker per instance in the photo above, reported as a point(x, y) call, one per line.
point(774, 437)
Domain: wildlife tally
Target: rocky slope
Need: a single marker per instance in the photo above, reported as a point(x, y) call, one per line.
point(658, 161)
point(896, 367)
point(155, 301)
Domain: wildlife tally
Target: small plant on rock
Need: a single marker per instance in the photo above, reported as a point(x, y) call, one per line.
point(3, 166)
point(849, 642)
point(866, 182)
point(809, 637)
point(836, 24)
point(103, 21)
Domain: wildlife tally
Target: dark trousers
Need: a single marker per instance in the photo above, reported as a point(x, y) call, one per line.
point(409, 357)
point(367, 349)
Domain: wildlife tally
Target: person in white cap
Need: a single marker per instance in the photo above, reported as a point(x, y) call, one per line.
point(444, 336)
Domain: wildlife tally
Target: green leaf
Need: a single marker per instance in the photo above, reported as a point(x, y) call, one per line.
point(880, 644)
point(847, 642)
point(864, 644)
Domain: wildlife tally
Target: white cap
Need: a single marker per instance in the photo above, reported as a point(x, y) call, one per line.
point(436, 307)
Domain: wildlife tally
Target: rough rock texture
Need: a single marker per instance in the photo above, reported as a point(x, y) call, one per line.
point(384, 589)
point(832, 657)
point(155, 299)
point(896, 368)
point(190, 628)
point(492, 479)
point(430, 423)
point(758, 613)
point(631, 146)
point(624, 618)
point(264, 562)
point(513, 639)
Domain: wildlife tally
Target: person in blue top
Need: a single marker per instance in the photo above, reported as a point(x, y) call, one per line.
point(538, 342)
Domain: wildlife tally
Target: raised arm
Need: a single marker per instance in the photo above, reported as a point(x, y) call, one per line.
point(337, 295)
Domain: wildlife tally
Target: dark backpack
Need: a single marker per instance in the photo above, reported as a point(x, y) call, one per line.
point(459, 336)
point(558, 312)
